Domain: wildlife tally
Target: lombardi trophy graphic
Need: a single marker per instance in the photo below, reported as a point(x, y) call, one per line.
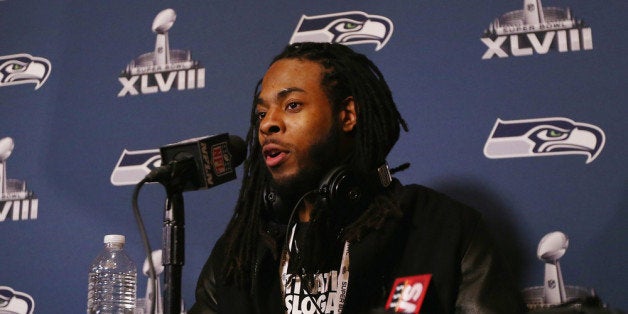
point(533, 17)
point(16, 203)
point(162, 69)
point(551, 248)
point(533, 12)
point(554, 293)
point(153, 285)
point(163, 58)
point(536, 29)
point(161, 24)
point(6, 147)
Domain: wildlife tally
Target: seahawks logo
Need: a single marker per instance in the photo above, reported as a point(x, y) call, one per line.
point(23, 69)
point(133, 166)
point(12, 301)
point(348, 28)
point(544, 137)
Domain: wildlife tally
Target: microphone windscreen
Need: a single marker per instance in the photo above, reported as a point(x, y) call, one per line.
point(238, 149)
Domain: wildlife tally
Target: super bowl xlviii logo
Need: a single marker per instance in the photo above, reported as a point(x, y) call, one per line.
point(134, 165)
point(163, 69)
point(17, 302)
point(23, 68)
point(14, 197)
point(544, 137)
point(535, 29)
point(348, 28)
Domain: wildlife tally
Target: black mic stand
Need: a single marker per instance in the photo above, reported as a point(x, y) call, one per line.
point(174, 236)
point(187, 168)
point(173, 251)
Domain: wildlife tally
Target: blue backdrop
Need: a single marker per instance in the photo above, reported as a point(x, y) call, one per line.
point(80, 117)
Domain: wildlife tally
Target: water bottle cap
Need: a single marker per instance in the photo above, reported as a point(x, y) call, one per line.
point(114, 238)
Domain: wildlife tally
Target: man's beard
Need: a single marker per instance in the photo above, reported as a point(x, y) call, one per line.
point(322, 156)
point(321, 245)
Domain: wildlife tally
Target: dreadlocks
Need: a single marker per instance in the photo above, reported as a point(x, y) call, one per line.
point(346, 74)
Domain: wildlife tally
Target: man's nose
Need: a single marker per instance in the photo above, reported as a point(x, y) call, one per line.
point(272, 122)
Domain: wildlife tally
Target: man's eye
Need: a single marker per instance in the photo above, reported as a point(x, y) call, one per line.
point(293, 106)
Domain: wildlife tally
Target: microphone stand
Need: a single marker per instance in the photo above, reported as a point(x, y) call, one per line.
point(173, 237)
point(181, 173)
point(173, 251)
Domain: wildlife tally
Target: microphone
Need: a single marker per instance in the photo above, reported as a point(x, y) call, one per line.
point(199, 163)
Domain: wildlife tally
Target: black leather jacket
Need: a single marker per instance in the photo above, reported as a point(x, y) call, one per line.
point(436, 235)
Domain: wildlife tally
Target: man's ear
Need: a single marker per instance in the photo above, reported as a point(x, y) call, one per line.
point(348, 114)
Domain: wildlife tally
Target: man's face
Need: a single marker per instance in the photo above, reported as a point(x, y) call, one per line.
point(298, 131)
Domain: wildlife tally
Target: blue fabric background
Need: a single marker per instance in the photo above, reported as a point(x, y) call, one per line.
point(70, 132)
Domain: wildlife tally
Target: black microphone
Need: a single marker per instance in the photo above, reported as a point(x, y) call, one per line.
point(199, 163)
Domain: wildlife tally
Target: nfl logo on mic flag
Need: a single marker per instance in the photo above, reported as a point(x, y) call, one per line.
point(407, 294)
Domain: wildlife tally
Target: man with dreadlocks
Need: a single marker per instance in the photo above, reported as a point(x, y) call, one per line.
point(320, 226)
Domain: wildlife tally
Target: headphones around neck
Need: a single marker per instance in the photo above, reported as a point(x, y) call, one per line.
point(342, 188)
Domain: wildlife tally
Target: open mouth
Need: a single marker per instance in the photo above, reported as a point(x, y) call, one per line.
point(274, 155)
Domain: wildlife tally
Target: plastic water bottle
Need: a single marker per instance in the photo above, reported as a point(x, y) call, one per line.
point(112, 280)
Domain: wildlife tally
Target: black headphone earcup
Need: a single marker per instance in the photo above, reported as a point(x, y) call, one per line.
point(342, 188)
point(274, 206)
